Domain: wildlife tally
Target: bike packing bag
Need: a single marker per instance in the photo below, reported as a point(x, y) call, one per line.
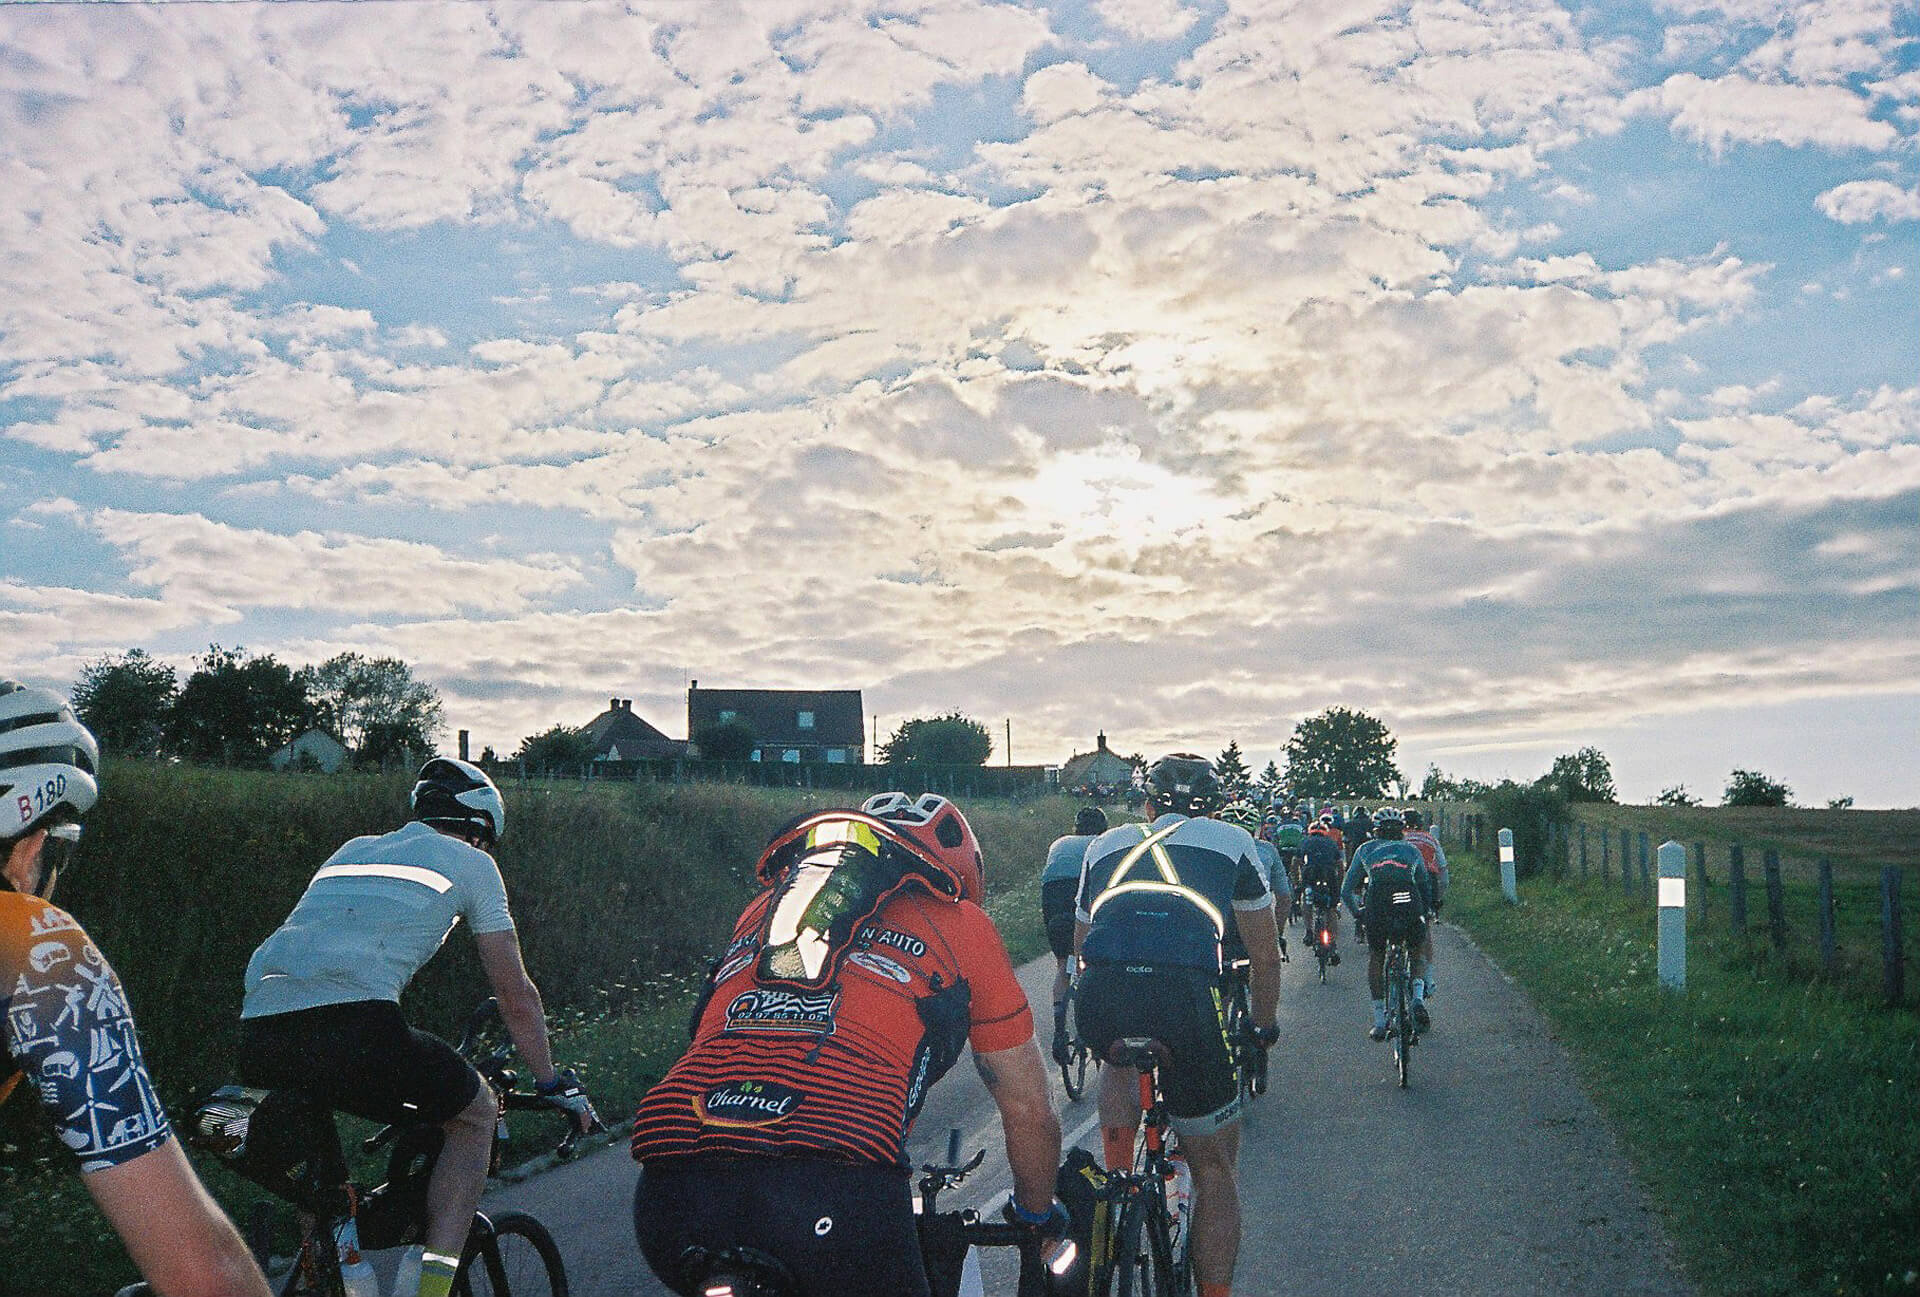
point(282, 1140)
point(1081, 1187)
point(394, 1214)
point(1394, 906)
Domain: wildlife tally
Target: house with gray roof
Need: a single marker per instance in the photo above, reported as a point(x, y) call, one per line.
point(826, 725)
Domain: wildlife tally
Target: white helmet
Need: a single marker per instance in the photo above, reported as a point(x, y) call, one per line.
point(460, 796)
point(48, 761)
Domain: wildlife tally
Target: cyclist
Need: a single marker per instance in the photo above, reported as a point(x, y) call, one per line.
point(852, 981)
point(1359, 827)
point(1320, 878)
point(1058, 882)
point(322, 1006)
point(1399, 899)
point(68, 1030)
point(1151, 921)
point(1245, 815)
point(1289, 835)
point(1436, 859)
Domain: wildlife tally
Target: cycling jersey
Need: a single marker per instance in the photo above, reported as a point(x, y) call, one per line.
point(1163, 893)
point(70, 1033)
point(1275, 872)
point(1373, 854)
point(1436, 858)
point(374, 913)
point(1322, 850)
point(1065, 857)
point(838, 1072)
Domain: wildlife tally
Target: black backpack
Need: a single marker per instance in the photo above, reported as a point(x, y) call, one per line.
point(1394, 904)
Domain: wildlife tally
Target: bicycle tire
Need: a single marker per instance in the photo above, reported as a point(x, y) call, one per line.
point(519, 1260)
point(1402, 1015)
point(1073, 1072)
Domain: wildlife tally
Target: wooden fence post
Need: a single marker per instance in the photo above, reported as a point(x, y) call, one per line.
point(1893, 972)
point(1606, 853)
point(1646, 876)
point(1583, 851)
point(1826, 915)
point(1737, 880)
point(1776, 902)
point(1626, 862)
point(1700, 868)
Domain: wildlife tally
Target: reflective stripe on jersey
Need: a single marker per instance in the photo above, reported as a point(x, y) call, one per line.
point(1150, 846)
point(406, 873)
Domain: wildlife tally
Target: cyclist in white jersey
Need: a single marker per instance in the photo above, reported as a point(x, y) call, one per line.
point(322, 1008)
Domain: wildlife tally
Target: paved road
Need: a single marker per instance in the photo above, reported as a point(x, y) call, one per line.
point(1492, 1174)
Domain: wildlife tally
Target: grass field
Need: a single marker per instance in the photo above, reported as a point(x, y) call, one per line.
point(620, 892)
point(1774, 1116)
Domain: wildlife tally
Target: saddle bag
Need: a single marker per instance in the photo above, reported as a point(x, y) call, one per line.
point(281, 1140)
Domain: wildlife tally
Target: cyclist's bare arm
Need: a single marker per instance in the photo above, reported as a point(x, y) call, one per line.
point(1017, 1080)
point(176, 1234)
point(520, 1006)
point(1261, 935)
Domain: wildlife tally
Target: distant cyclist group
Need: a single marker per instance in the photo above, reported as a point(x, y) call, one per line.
point(860, 971)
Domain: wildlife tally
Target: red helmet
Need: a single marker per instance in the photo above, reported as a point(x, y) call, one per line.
point(939, 827)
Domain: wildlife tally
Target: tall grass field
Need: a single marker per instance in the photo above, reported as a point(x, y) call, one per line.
point(620, 893)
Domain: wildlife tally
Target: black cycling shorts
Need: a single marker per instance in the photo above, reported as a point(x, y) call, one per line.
point(838, 1228)
point(1056, 911)
point(1381, 927)
point(360, 1058)
point(1184, 1009)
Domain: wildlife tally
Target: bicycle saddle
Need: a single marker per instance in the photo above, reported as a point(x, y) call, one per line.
point(1141, 1052)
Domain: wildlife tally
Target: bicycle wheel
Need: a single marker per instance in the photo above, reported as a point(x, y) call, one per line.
point(1073, 1072)
point(1402, 1016)
point(519, 1259)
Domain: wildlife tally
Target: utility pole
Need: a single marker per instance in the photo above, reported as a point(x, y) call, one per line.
point(1009, 740)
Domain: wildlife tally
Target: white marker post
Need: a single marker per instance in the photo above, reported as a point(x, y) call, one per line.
point(1506, 867)
point(1673, 916)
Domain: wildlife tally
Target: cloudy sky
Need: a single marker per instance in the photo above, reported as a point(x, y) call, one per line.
point(1527, 375)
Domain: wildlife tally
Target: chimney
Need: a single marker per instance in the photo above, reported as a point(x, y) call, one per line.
point(613, 704)
point(463, 745)
point(1102, 740)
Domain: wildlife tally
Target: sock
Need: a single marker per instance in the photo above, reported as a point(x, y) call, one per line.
point(1117, 1143)
point(436, 1274)
point(1419, 992)
point(1379, 1013)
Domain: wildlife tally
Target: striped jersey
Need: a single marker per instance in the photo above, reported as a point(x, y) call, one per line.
point(70, 1035)
point(836, 1072)
point(371, 917)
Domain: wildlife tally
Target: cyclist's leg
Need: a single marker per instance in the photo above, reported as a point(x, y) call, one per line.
point(1216, 1206)
point(1377, 981)
point(1202, 1092)
point(1056, 913)
point(1107, 1005)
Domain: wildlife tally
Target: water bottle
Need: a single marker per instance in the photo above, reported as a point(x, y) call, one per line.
point(406, 1278)
point(357, 1277)
point(1180, 1203)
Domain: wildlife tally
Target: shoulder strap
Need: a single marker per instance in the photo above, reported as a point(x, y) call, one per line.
point(1152, 847)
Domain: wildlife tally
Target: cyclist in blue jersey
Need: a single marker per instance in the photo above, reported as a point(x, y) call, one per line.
point(1058, 882)
point(68, 1029)
point(1399, 900)
point(322, 1008)
point(1151, 925)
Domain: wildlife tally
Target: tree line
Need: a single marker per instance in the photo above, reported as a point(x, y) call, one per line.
point(238, 709)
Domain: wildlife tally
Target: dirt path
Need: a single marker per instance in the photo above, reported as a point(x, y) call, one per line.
point(1492, 1174)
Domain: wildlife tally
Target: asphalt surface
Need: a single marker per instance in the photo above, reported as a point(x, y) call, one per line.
point(1491, 1174)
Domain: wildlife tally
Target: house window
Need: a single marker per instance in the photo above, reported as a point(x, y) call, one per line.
point(792, 755)
point(836, 756)
point(804, 720)
point(727, 716)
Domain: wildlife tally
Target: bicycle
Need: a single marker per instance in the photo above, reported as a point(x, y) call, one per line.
point(1249, 1059)
point(1320, 931)
point(288, 1143)
point(1073, 1071)
point(1401, 1031)
point(1143, 1251)
point(946, 1237)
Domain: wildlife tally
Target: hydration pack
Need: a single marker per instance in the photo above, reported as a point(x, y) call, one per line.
point(1394, 903)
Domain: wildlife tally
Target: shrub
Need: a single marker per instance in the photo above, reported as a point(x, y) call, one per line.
point(1530, 810)
point(1751, 788)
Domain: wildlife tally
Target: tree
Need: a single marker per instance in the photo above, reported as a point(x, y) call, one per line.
point(733, 739)
point(1751, 788)
point(1583, 776)
point(952, 740)
point(1270, 785)
point(1676, 796)
point(559, 748)
point(126, 702)
point(1232, 769)
point(373, 705)
point(1840, 803)
point(1341, 753)
point(235, 709)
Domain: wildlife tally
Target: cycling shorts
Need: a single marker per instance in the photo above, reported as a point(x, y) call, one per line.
point(361, 1058)
point(1184, 1009)
point(1379, 929)
point(1056, 911)
point(838, 1227)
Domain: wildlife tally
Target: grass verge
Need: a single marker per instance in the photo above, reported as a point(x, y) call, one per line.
point(1774, 1118)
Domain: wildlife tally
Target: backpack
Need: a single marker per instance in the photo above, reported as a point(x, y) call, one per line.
point(1394, 903)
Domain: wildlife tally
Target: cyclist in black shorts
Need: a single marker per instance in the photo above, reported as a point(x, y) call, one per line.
point(1151, 919)
point(1058, 883)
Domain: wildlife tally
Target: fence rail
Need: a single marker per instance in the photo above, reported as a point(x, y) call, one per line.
point(1813, 918)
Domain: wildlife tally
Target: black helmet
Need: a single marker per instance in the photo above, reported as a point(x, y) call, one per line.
point(453, 794)
point(1090, 820)
point(1184, 783)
